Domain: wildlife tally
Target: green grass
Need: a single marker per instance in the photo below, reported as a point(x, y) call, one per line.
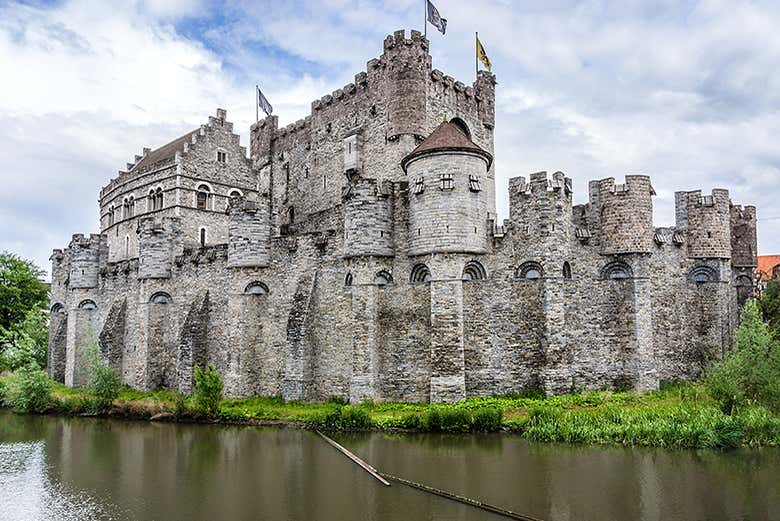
point(680, 416)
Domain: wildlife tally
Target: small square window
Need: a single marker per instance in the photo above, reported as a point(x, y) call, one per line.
point(446, 181)
point(221, 156)
point(419, 185)
point(474, 185)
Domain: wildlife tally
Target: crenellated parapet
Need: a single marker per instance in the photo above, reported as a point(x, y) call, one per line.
point(621, 214)
point(707, 222)
point(368, 219)
point(407, 65)
point(85, 255)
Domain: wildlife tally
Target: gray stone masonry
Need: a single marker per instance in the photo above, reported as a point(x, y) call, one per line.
point(356, 253)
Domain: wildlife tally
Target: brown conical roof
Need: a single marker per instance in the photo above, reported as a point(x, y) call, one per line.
point(447, 137)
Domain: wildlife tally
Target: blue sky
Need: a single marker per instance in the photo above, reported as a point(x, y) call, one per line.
point(687, 92)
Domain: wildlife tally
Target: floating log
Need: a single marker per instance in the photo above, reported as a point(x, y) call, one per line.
point(365, 466)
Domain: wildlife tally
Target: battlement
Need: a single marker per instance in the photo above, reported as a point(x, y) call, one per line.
point(541, 212)
point(707, 222)
point(744, 243)
point(621, 214)
point(84, 257)
point(204, 255)
point(540, 183)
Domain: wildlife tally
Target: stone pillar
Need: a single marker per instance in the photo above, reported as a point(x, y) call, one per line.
point(295, 352)
point(362, 384)
point(556, 375)
point(448, 377)
point(58, 345)
point(646, 371)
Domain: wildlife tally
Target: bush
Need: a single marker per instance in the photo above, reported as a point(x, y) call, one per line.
point(344, 418)
point(103, 380)
point(208, 390)
point(29, 390)
point(487, 419)
point(749, 374)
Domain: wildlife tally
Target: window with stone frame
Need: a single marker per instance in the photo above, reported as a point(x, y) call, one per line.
point(158, 199)
point(221, 156)
point(474, 184)
point(447, 182)
point(203, 197)
point(419, 185)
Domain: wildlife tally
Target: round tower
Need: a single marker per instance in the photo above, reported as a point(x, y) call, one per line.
point(249, 233)
point(447, 202)
point(368, 219)
point(707, 222)
point(626, 215)
point(157, 245)
point(84, 257)
point(407, 66)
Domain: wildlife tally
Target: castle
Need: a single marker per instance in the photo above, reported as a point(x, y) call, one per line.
point(356, 253)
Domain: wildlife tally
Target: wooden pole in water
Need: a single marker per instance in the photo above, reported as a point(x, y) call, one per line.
point(365, 466)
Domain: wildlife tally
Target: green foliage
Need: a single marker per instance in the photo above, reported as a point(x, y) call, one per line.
point(487, 419)
point(344, 418)
point(29, 390)
point(103, 380)
point(770, 306)
point(20, 289)
point(208, 390)
point(26, 342)
point(749, 374)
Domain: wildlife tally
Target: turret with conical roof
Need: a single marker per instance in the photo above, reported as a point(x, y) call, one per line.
point(448, 210)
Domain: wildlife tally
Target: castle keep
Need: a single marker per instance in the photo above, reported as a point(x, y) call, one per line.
point(357, 253)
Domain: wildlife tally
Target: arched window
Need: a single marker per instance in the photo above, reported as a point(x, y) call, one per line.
point(348, 279)
point(530, 270)
point(420, 273)
point(474, 271)
point(235, 193)
point(127, 246)
point(110, 216)
point(203, 197)
point(616, 270)
point(462, 126)
point(202, 237)
point(383, 278)
point(701, 274)
point(256, 288)
point(131, 206)
point(88, 304)
point(566, 270)
point(58, 308)
point(158, 198)
point(151, 202)
point(291, 215)
point(125, 208)
point(160, 297)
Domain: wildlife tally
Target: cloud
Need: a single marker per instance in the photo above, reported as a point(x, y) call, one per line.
point(686, 92)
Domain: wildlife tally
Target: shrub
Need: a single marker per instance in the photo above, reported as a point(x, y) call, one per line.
point(29, 390)
point(344, 418)
point(749, 374)
point(487, 419)
point(179, 405)
point(103, 380)
point(208, 390)
point(411, 420)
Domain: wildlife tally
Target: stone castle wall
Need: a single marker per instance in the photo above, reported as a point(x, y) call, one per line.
point(328, 270)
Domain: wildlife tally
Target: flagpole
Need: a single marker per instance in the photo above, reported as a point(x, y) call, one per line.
point(257, 103)
point(476, 54)
point(425, 18)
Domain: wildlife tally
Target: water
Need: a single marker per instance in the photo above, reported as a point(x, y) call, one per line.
point(71, 468)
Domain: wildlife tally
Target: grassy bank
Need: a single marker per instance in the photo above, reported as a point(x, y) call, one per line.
point(684, 416)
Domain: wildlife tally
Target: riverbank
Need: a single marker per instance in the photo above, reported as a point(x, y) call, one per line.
point(682, 416)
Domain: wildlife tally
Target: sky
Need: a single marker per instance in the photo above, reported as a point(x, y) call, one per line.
point(686, 92)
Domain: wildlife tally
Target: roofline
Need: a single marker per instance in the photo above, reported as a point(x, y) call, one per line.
point(487, 156)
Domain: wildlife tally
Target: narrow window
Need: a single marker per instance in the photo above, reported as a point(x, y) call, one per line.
point(127, 247)
point(566, 270)
point(202, 237)
point(151, 201)
point(131, 206)
point(291, 215)
point(158, 199)
point(348, 279)
point(474, 185)
point(221, 156)
point(419, 185)
point(447, 182)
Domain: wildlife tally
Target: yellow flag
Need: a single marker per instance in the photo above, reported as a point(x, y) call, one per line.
point(482, 55)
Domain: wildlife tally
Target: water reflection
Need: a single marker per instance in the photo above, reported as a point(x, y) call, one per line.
point(59, 468)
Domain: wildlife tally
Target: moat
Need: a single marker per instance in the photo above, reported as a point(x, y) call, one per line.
point(73, 468)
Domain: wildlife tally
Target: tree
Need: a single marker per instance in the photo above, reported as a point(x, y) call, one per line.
point(770, 305)
point(26, 343)
point(21, 289)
